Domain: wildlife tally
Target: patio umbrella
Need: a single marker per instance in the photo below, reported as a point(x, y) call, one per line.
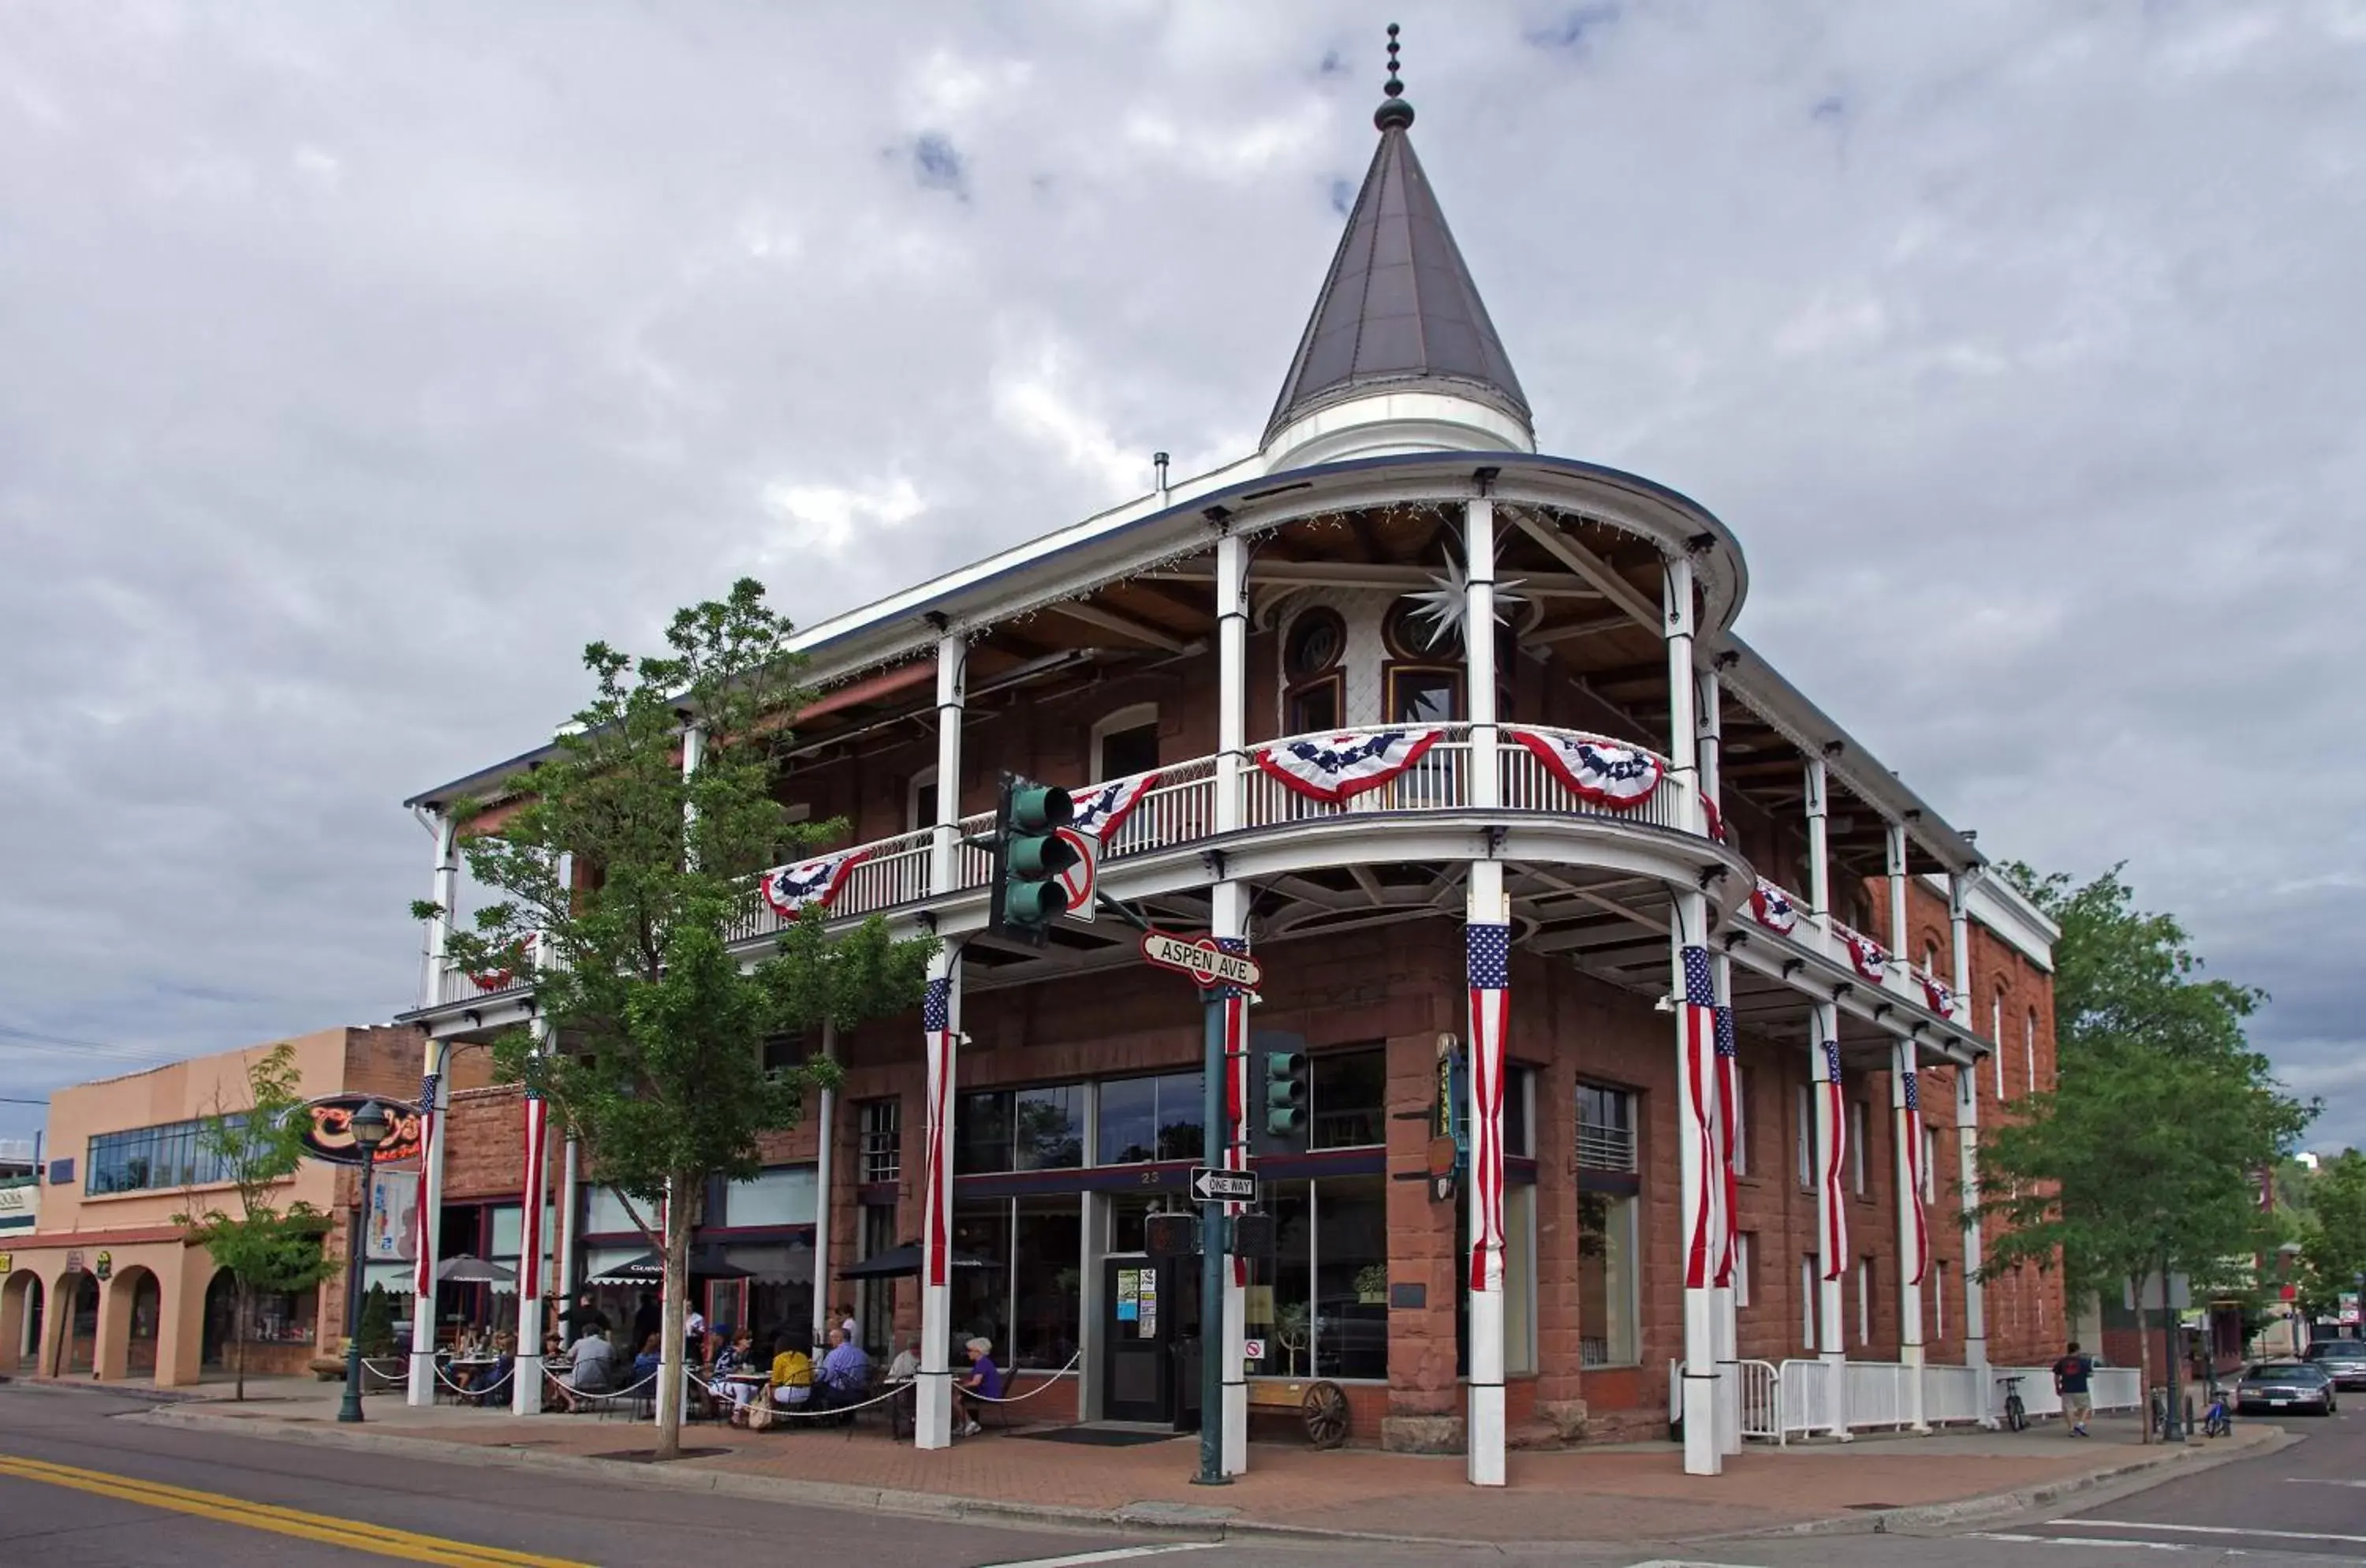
point(904, 1263)
point(466, 1268)
point(649, 1269)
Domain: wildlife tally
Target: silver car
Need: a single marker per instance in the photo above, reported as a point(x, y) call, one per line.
point(2294, 1386)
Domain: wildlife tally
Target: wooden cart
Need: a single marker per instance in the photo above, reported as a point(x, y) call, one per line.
point(1319, 1403)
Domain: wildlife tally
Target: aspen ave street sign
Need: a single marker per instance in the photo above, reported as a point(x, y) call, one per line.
point(1211, 1185)
point(1202, 960)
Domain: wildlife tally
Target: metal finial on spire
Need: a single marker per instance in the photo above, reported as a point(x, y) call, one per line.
point(1394, 113)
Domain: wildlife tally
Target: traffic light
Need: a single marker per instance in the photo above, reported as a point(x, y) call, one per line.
point(1285, 1097)
point(1255, 1235)
point(1028, 856)
point(1170, 1235)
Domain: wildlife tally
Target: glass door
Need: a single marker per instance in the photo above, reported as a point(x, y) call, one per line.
point(1137, 1370)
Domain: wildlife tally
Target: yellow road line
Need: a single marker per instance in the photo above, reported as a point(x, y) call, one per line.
point(378, 1540)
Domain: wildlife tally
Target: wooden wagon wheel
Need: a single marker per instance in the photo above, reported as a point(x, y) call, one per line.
point(1326, 1414)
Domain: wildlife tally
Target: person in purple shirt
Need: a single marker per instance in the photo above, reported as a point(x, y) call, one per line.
point(985, 1380)
point(844, 1375)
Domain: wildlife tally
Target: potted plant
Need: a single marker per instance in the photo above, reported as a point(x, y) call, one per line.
point(1372, 1285)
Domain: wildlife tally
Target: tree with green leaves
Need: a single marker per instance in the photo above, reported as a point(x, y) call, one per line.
point(2144, 1155)
point(254, 1149)
point(2333, 1234)
point(622, 878)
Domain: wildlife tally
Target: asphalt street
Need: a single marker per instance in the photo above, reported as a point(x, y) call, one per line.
point(84, 1483)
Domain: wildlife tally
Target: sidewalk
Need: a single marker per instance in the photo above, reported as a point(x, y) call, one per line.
point(1634, 1492)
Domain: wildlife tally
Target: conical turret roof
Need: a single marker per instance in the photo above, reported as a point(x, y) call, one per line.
point(1398, 312)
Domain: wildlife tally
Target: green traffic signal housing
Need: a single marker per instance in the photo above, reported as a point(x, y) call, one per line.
point(1028, 856)
point(1285, 1095)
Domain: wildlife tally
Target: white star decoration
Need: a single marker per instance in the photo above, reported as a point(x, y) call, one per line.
point(1443, 605)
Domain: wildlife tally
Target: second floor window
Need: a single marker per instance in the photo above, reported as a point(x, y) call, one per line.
point(1605, 1128)
point(1857, 1120)
point(1025, 1129)
point(1347, 1097)
point(881, 1149)
point(171, 1155)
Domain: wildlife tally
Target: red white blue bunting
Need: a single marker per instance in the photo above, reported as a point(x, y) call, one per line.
point(1620, 778)
point(1715, 818)
point(1102, 810)
point(1833, 1122)
point(789, 888)
point(1910, 1132)
point(1333, 768)
point(1772, 907)
point(1941, 996)
point(1872, 960)
point(502, 979)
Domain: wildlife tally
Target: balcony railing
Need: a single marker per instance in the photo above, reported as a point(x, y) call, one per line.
point(1179, 810)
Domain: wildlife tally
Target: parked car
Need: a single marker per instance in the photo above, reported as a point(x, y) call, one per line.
point(2344, 1360)
point(2285, 1385)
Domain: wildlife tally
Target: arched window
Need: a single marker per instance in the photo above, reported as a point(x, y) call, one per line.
point(2028, 1047)
point(1996, 1041)
point(1125, 743)
point(920, 804)
point(1314, 696)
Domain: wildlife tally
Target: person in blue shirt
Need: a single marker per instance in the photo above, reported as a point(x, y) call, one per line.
point(645, 1365)
point(983, 1380)
point(844, 1375)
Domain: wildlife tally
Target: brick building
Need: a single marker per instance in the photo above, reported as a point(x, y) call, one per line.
point(1539, 873)
point(105, 1285)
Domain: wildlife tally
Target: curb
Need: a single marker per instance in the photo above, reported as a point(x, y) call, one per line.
point(1170, 1520)
point(1998, 1505)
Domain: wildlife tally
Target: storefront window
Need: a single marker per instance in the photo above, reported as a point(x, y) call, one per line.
point(1028, 1129)
point(1046, 1260)
point(1607, 1304)
point(1347, 1095)
point(782, 1195)
point(1147, 1119)
point(1322, 1304)
point(981, 1297)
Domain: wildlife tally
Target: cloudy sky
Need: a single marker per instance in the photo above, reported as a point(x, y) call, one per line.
point(360, 362)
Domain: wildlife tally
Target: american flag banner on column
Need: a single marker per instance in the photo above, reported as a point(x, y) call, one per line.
point(422, 1279)
point(1236, 1088)
point(1704, 1204)
point(937, 1023)
point(1729, 1111)
point(1835, 1204)
point(1910, 1131)
point(537, 1131)
point(1489, 968)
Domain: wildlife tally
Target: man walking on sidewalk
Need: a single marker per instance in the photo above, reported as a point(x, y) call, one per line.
point(2070, 1375)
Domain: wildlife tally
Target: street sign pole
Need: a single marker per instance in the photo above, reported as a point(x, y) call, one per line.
point(1213, 1122)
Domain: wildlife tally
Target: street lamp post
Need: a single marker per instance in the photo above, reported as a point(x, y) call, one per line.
point(369, 1127)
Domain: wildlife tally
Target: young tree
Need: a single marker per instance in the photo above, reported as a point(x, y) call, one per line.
point(623, 876)
point(2144, 1155)
point(2333, 1235)
point(264, 1247)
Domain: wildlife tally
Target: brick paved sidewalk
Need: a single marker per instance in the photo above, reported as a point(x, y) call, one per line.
point(1636, 1492)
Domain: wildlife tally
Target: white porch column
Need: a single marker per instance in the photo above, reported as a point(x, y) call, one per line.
point(570, 1176)
point(1701, 1187)
point(1968, 1143)
point(939, 1020)
point(1228, 919)
point(1831, 1208)
point(1487, 916)
point(826, 1132)
point(1728, 1089)
point(1900, 959)
point(443, 888)
point(1820, 859)
point(953, 660)
point(434, 1099)
point(1913, 1221)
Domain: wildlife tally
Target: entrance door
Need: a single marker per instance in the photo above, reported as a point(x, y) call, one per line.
point(726, 1308)
point(1137, 1334)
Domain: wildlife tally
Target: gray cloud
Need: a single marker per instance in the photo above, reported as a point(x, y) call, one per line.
point(363, 363)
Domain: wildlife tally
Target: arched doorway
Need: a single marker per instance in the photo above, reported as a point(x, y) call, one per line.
point(21, 1323)
point(79, 1324)
point(221, 1319)
point(137, 1303)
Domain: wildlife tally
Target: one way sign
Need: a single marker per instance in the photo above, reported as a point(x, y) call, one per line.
point(1212, 1186)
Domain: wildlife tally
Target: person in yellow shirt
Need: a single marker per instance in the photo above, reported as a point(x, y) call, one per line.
point(792, 1378)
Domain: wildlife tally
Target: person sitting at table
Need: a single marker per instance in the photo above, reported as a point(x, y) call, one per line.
point(984, 1381)
point(552, 1349)
point(645, 1365)
point(845, 1373)
point(591, 1372)
point(492, 1379)
point(736, 1355)
point(906, 1364)
point(792, 1379)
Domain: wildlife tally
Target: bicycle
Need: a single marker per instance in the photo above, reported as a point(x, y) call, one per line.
point(2016, 1414)
point(2218, 1416)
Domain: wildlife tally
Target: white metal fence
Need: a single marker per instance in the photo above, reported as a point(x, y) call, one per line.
point(1797, 1398)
